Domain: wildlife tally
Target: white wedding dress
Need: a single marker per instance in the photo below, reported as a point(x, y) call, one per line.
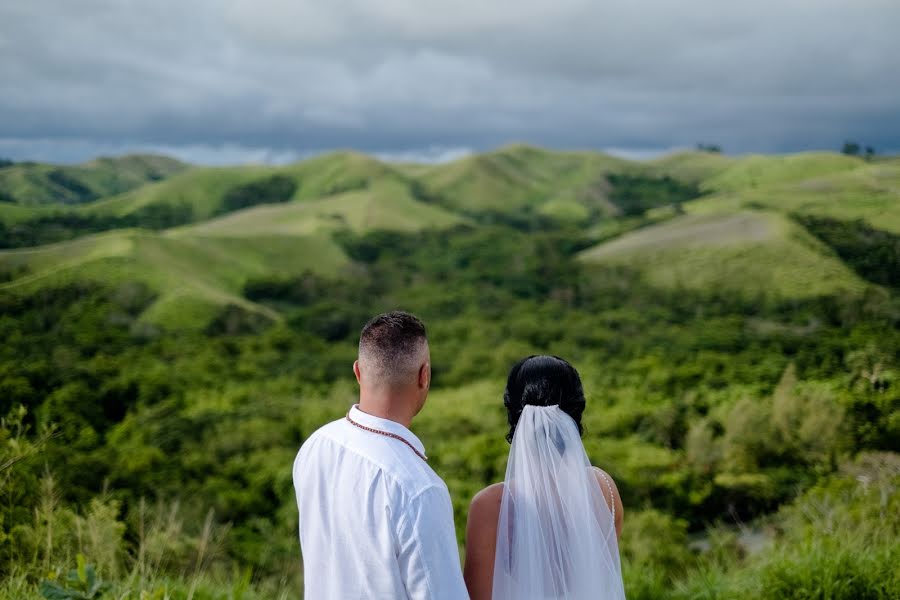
point(556, 537)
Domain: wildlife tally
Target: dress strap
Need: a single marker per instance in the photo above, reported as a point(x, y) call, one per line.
point(612, 496)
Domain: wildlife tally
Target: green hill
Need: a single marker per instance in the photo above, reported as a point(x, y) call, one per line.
point(32, 184)
point(745, 253)
point(754, 171)
point(523, 178)
point(237, 223)
point(196, 270)
point(693, 166)
point(203, 192)
point(864, 191)
point(193, 278)
point(386, 205)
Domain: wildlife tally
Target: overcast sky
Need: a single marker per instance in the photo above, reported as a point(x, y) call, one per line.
point(225, 81)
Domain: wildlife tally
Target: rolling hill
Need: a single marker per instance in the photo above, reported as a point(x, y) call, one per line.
point(731, 229)
point(868, 191)
point(386, 205)
point(196, 270)
point(521, 178)
point(30, 184)
point(193, 278)
point(750, 253)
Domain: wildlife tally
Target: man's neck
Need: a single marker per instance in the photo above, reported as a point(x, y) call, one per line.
point(386, 408)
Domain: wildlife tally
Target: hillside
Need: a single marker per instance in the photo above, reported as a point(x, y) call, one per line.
point(220, 227)
point(192, 279)
point(523, 178)
point(746, 253)
point(867, 191)
point(197, 270)
point(33, 184)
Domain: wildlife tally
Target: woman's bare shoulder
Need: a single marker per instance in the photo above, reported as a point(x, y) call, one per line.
point(487, 501)
point(611, 494)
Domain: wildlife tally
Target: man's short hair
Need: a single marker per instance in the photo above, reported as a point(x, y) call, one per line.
point(392, 347)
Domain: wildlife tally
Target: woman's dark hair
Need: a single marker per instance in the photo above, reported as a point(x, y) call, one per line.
point(543, 381)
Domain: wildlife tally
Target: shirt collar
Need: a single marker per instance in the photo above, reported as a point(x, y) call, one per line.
point(364, 418)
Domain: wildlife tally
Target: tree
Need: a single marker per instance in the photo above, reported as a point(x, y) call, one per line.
point(850, 149)
point(713, 148)
point(870, 153)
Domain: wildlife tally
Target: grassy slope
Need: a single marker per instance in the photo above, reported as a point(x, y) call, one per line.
point(754, 171)
point(867, 191)
point(385, 205)
point(746, 252)
point(516, 177)
point(193, 277)
point(33, 184)
point(203, 188)
point(693, 167)
point(198, 269)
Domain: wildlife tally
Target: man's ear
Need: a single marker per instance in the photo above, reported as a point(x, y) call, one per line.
point(425, 375)
point(356, 371)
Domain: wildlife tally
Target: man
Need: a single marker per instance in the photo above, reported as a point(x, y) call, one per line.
point(375, 520)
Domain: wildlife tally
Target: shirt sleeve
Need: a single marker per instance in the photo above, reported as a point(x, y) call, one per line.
point(428, 554)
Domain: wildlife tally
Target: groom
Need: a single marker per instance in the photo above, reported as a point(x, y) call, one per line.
point(375, 520)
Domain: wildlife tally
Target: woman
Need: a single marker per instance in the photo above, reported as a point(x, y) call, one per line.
point(550, 530)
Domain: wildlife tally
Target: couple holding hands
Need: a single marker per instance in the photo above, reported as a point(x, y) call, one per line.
point(377, 522)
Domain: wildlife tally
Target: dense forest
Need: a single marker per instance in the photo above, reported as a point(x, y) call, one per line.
point(743, 394)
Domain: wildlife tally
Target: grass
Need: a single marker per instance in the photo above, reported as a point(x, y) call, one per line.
point(200, 188)
point(197, 270)
point(694, 167)
point(869, 191)
point(755, 171)
point(514, 177)
point(31, 184)
point(203, 189)
point(749, 253)
point(193, 277)
point(386, 205)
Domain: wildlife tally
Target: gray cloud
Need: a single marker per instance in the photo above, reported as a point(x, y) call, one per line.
point(281, 78)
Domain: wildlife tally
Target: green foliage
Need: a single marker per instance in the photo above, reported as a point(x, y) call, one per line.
point(635, 194)
point(713, 148)
point(850, 149)
point(872, 253)
point(273, 189)
point(34, 184)
point(80, 584)
point(60, 226)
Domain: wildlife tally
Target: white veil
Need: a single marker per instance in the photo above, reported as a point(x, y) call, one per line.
point(556, 537)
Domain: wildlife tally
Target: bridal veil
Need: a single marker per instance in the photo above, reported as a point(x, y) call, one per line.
point(556, 537)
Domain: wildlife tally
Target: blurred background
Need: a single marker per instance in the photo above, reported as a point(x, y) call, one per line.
point(201, 203)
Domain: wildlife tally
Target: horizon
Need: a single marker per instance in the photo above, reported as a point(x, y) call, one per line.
point(430, 156)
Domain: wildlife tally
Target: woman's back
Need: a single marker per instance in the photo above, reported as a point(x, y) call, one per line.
point(550, 530)
point(481, 531)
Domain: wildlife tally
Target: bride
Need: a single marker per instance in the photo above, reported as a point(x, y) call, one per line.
point(550, 530)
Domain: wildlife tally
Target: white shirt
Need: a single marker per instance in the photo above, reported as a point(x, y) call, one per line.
point(375, 520)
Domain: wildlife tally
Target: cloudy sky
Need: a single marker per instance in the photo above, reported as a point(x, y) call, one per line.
point(224, 81)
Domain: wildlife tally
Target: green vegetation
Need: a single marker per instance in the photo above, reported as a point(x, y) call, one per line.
point(276, 188)
point(748, 253)
point(874, 254)
point(740, 362)
point(636, 194)
point(30, 183)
